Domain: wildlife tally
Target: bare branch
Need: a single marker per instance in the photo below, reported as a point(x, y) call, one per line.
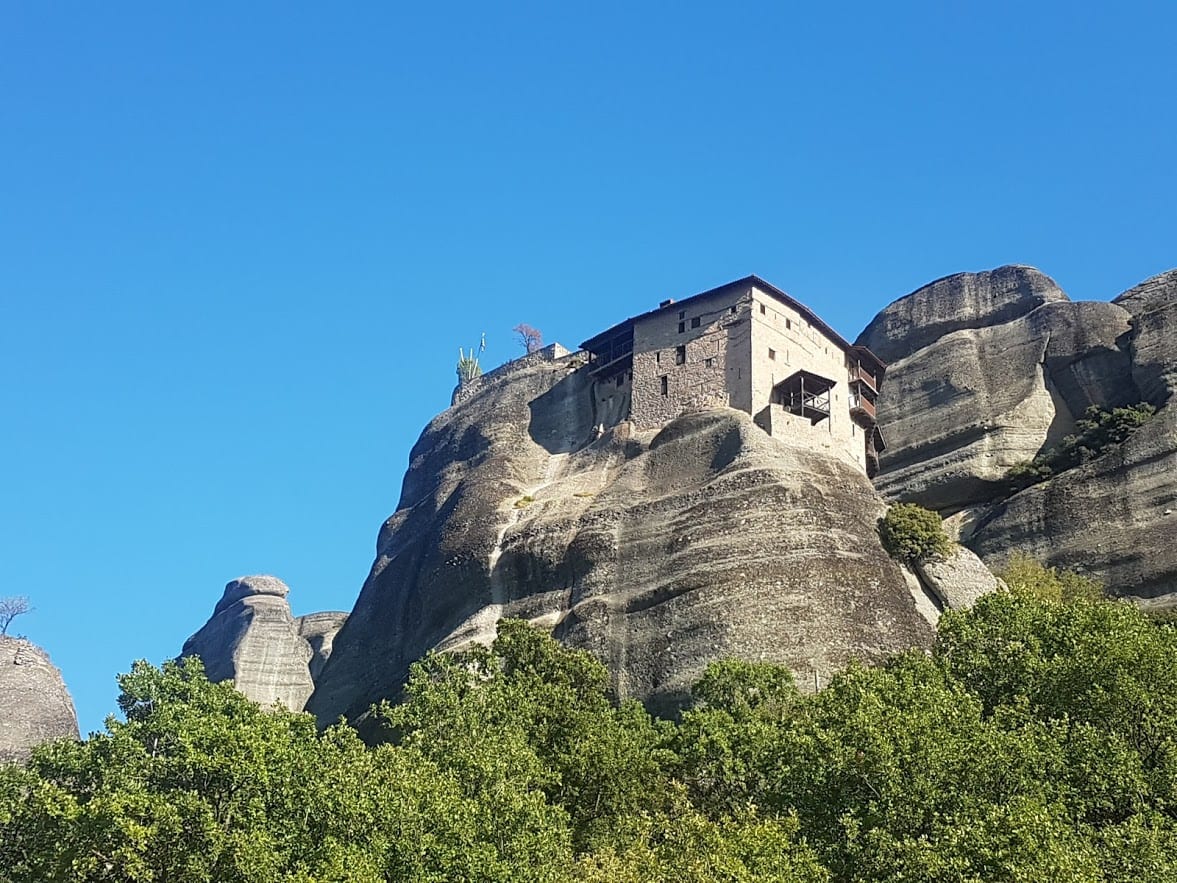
point(10, 609)
point(531, 339)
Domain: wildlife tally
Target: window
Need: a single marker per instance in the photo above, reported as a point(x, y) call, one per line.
point(707, 363)
point(732, 310)
point(620, 378)
point(788, 324)
point(682, 314)
point(682, 326)
point(695, 322)
point(680, 354)
point(658, 357)
point(772, 355)
point(762, 310)
point(665, 386)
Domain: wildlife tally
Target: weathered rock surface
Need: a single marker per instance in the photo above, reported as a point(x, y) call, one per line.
point(319, 630)
point(1113, 517)
point(35, 705)
point(959, 580)
point(964, 300)
point(959, 408)
point(658, 552)
point(959, 412)
point(253, 639)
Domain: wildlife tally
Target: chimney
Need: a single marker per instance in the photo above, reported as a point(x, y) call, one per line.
point(666, 303)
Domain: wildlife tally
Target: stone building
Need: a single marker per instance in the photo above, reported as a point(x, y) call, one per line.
point(745, 345)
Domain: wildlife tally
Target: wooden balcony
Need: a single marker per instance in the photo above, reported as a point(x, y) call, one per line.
point(862, 410)
point(859, 375)
point(805, 394)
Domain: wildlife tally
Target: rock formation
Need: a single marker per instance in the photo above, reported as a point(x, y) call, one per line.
point(34, 703)
point(658, 551)
point(253, 639)
point(958, 581)
point(966, 399)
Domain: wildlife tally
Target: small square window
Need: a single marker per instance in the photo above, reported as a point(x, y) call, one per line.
point(682, 314)
point(732, 311)
point(680, 355)
point(772, 355)
point(665, 385)
point(707, 363)
point(682, 326)
point(695, 322)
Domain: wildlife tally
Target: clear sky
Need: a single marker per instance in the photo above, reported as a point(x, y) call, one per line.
point(241, 243)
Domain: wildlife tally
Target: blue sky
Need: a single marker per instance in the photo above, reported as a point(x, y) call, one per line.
point(240, 244)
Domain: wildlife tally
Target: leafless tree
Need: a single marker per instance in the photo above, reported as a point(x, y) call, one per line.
point(10, 609)
point(529, 338)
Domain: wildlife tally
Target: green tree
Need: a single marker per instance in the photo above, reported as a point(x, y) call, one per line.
point(531, 710)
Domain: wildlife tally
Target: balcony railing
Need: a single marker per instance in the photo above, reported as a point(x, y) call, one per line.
point(858, 374)
point(861, 406)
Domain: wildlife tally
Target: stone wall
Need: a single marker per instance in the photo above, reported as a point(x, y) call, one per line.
point(465, 391)
point(783, 342)
point(793, 429)
point(690, 358)
point(612, 398)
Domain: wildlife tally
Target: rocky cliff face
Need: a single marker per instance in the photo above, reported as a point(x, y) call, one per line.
point(34, 703)
point(962, 404)
point(253, 639)
point(657, 551)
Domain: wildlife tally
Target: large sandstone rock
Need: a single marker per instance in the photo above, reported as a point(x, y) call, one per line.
point(957, 413)
point(1113, 517)
point(35, 706)
point(958, 409)
point(319, 631)
point(967, 396)
point(965, 300)
point(253, 639)
point(657, 551)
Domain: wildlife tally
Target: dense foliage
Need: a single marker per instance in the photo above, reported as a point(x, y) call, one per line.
point(1099, 431)
point(911, 533)
point(1038, 741)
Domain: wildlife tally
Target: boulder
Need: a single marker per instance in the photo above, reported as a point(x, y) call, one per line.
point(253, 640)
point(657, 551)
point(959, 580)
point(35, 705)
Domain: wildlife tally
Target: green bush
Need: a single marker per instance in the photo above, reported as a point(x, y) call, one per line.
point(1025, 574)
point(912, 533)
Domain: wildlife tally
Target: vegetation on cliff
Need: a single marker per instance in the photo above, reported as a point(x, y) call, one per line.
point(911, 533)
point(1037, 741)
point(1099, 431)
